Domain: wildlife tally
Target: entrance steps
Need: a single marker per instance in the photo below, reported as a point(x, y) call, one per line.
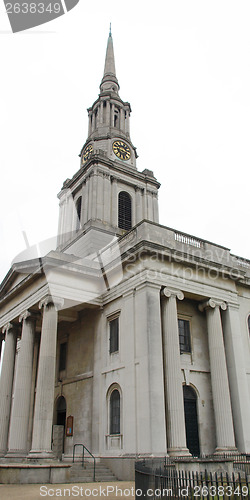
point(85, 474)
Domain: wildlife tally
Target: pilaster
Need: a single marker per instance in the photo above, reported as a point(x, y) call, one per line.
point(151, 421)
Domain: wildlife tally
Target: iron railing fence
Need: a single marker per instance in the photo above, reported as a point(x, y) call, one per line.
point(158, 479)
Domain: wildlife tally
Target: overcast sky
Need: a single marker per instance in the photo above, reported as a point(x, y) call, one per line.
point(185, 68)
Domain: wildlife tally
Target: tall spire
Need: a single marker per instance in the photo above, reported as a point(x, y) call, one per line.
point(109, 81)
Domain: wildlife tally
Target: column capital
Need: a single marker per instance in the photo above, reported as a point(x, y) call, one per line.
point(168, 292)
point(28, 315)
point(7, 327)
point(212, 303)
point(48, 300)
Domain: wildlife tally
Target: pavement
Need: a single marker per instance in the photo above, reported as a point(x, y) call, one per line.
point(98, 491)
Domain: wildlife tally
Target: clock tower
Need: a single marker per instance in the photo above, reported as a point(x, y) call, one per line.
point(107, 195)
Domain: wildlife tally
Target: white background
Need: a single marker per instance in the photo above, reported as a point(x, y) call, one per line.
point(183, 65)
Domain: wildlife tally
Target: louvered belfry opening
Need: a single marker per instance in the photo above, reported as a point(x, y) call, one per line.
point(124, 211)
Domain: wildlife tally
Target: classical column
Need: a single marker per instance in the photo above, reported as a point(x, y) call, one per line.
point(6, 384)
point(122, 119)
point(138, 197)
point(108, 113)
point(127, 126)
point(44, 403)
point(99, 201)
point(219, 378)
point(84, 203)
point(69, 211)
point(176, 433)
point(94, 195)
point(1, 343)
point(155, 208)
point(150, 205)
point(90, 124)
point(114, 203)
point(19, 422)
point(101, 112)
point(145, 204)
point(107, 198)
point(90, 196)
point(112, 115)
point(237, 377)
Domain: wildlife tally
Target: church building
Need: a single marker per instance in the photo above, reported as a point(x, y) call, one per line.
point(130, 337)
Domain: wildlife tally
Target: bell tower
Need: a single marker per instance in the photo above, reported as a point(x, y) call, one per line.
point(107, 195)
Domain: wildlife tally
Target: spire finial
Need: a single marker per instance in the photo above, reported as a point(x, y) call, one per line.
point(110, 34)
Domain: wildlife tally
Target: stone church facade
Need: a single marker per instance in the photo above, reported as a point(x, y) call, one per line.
point(132, 337)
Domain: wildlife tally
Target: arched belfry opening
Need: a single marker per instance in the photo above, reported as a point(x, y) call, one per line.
point(124, 211)
point(191, 420)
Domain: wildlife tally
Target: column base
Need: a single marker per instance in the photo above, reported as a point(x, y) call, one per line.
point(16, 455)
point(226, 451)
point(41, 455)
point(179, 452)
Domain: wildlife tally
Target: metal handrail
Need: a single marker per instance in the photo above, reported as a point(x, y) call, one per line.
point(84, 448)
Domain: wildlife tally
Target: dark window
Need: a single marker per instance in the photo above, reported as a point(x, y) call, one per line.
point(115, 412)
point(78, 212)
point(248, 324)
point(62, 356)
point(184, 335)
point(114, 335)
point(124, 211)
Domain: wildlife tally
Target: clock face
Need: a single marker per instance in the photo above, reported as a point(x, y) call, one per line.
point(121, 150)
point(87, 153)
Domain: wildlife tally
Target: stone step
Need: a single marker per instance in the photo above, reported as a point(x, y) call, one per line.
point(79, 474)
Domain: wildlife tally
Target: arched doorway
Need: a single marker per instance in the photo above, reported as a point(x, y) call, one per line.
point(191, 420)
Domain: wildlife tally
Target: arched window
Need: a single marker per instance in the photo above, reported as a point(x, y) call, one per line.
point(124, 211)
point(78, 213)
point(114, 403)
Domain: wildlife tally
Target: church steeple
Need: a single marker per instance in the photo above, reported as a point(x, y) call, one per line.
point(109, 118)
point(109, 81)
point(107, 196)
